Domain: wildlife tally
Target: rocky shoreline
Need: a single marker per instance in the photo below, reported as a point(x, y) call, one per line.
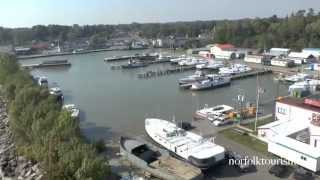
point(12, 166)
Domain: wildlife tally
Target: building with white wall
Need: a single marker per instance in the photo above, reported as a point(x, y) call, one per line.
point(314, 51)
point(279, 51)
point(254, 59)
point(295, 133)
point(223, 51)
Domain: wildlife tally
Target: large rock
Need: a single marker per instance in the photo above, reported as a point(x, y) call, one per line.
point(13, 167)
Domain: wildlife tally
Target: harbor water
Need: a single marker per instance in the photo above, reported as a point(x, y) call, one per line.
point(116, 102)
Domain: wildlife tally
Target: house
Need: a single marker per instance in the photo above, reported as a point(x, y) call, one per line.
point(295, 135)
point(314, 51)
point(223, 51)
point(301, 57)
point(254, 59)
point(279, 52)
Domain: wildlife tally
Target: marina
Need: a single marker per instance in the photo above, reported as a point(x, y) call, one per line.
point(170, 99)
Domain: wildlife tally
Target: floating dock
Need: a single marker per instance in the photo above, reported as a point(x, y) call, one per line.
point(48, 64)
point(117, 67)
point(150, 74)
point(122, 58)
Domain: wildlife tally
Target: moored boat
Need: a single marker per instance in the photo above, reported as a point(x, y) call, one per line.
point(297, 78)
point(200, 152)
point(212, 82)
point(134, 64)
point(197, 76)
point(75, 112)
point(157, 161)
point(212, 113)
point(210, 65)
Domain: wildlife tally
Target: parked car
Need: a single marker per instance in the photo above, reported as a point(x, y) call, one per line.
point(246, 166)
point(278, 170)
point(302, 174)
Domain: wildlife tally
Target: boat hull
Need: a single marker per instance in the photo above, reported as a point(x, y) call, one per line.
point(201, 164)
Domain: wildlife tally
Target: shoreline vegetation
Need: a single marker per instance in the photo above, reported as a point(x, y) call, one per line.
point(42, 132)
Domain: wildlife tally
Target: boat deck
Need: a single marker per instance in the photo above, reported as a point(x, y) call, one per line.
point(177, 168)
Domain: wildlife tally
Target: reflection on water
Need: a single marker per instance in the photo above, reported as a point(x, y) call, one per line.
point(116, 101)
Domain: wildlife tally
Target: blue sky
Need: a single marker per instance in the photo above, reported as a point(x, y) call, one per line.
point(26, 13)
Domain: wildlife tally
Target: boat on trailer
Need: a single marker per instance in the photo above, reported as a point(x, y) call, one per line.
point(157, 161)
point(186, 145)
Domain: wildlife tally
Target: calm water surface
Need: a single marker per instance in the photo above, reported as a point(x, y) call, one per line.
point(114, 102)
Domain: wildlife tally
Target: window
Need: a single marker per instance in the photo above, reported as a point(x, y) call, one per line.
point(281, 110)
point(315, 143)
point(303, 158)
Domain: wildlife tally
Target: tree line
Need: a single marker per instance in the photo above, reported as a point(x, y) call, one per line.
point(297, 31)
point(300, 29)
point(43, 132)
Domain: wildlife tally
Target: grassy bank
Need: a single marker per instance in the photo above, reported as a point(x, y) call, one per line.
point(246, 140)
point(259, 123)
point(43, 132)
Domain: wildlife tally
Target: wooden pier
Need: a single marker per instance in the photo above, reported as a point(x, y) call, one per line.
point(139, 57)
point(118, 67)
point(250, 74)
point(151, 74)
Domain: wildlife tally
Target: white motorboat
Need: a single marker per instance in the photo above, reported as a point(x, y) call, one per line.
point(55, 91)
point(212, 82)
point(297, 77)
point(210, 65)
point(197, 76)
point(177, 60)
point(192, 62)
point(200, 152)
point(307, 85)
point(213, 113)
point(75, 112)
point(43, 81)
point(234, 69)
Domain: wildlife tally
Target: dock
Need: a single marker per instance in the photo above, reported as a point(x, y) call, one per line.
point(118, 67)
point(42, 65)
point(151, 74)
point(159, 73)
point(250, 74)
point(123, 58)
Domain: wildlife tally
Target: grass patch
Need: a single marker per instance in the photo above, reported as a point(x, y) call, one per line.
point(259, 123)
point(246, 140)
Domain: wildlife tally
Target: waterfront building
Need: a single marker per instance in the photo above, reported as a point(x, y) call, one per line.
point(279, 52)
point(314, 51)
point(295, 135)
point(301, 57)
point(254, 59)
point(223, 51)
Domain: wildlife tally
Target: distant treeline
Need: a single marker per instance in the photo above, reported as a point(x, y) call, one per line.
point(300, 29)
point(43, 132)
